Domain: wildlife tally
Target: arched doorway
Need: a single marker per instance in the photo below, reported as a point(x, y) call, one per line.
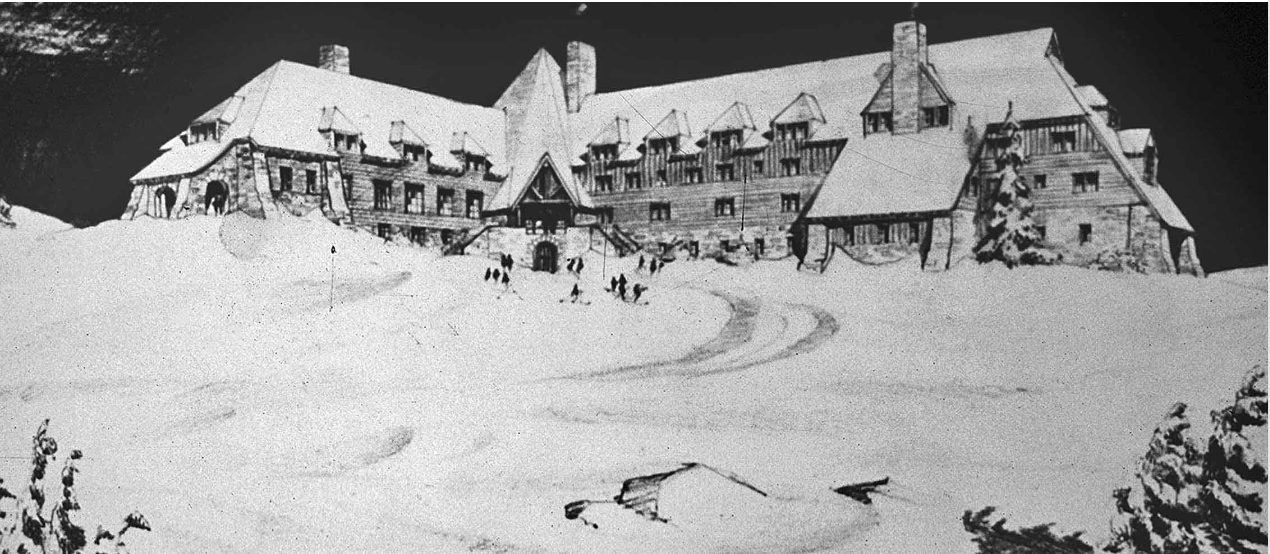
point(545, 256)
point(214, 197)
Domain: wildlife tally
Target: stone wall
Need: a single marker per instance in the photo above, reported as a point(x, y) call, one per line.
point(570, 242)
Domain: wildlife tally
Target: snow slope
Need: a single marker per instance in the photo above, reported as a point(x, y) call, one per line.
point(249, 391)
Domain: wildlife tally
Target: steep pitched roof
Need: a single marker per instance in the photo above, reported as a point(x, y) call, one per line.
point(1153, 194)
point(1092, 96)
point(1133, 142)
point(402, 133)
point(737, 117)
point(615, 132)
point(537, 131)
point(283, 107)
point(674, 124)
point(980, 74)
point(224, 112)
point(803, 108)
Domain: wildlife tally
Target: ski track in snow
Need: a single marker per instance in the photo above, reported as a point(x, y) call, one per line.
point(737, 346)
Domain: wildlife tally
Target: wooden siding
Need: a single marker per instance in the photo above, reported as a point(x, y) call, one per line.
point(362, 194)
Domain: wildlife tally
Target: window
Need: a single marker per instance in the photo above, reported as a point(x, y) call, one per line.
point(1085, 182)
point(472, 162)
point(1062, 141)
point(724, 207)
point(414, 198)
point(877, 122)
point(418, 235)
point(604, 152)
point(791, 131)
point(605, 215)
point(850, 235)
point(694, 248)
point(1086, 233)
point(445, 201)
point(310, 181)
point(791, 167)
point(1148, 164)
point(1039, 181)
point(203, 132)
point(972, 189)
point(725, 173)
point(384, 231)
point(347, 143)
point(633, 181)
point(790, 203)
point(1040, 231)
point(661, 177)
point(760, 245)
point(725, 139)
point(884, 233)
point(663, 146)
point(348, 185)
point(914, 232)
point(693, 174)
point(284, 179)
point(935, 117)
point(475, 203)
point(758, 167)
point(604, 183)
point(414, 153)
point(383, 195)
point(659, 211)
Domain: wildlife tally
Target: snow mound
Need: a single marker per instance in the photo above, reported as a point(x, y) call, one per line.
point(32, 223)
point(361, 451)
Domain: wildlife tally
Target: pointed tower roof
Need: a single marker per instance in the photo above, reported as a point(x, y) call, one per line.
point(537, 127)
point(803, 108)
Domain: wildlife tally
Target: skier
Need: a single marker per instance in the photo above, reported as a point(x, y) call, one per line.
point(577, 270)
point(621, 290)
point(613, 284)
point(652, 267)
point(487, 274)
point(569, 266)
point(507, 281)
point(639, 290)
point(496, 275)
point(575, 294)
point(641, 263)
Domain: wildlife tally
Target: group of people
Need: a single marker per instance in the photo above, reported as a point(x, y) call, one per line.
point(653, 265)
point(503, 274)
point(575, 266)
point(617, 286)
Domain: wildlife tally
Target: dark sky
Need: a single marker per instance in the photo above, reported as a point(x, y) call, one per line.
point(1195, 74)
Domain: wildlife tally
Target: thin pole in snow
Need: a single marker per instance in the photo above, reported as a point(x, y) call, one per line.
point(332, 278)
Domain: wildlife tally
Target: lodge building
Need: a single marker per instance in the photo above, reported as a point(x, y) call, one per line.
point(884, 158)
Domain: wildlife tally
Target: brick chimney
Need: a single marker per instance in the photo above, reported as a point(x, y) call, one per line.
point(333, 57)
point(579, 81)
point(908, 54)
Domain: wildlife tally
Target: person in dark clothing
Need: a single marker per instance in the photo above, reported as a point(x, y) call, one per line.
point(487, 274)
point(496, 275)
point(569, 266)
point(575, 293)
point(621, 291)
point(639, 290)
point(621, 279)
point(577, 270)
point(652, 267)
point(613, 284)
point(507, 281)
point(641, 263)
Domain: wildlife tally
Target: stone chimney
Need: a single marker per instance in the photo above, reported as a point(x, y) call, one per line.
point(908, 55)
point(579, 81)
point(333, 57)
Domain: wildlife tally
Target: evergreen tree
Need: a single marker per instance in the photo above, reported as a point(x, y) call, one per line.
point(1234, 479)
point(1011, 236)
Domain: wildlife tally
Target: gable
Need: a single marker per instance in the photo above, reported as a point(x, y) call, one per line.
point(803, 108)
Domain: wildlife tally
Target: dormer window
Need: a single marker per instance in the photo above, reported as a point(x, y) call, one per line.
point(203, 132)
point(791, 131)
point(663, 146)
point(345, 142)
point(877, 122)
point(935, 116)
point(725, 139)
point(472, 162)
point(604, 152)
point(1062, 142)
point(414, 153)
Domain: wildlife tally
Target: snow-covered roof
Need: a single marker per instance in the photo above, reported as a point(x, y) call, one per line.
point(888, 174)
point(181, 161)
point(1133, 142)
point(803, 108)
point(755, 141)
point(982, 75)
point(1092, 96)
point(285, 105)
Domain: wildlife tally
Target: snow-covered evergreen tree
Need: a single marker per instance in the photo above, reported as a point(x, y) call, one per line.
point(1011, 236)
point(1234, 478)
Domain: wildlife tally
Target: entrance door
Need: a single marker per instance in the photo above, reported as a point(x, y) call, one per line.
point(545, 255)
